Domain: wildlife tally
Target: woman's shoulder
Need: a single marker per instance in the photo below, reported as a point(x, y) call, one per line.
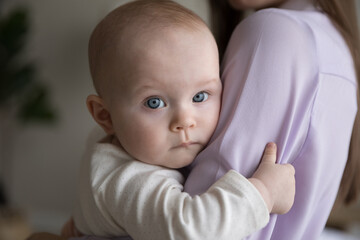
point(278, 45)
point(285, 16)
point(281, 23)
point(298, 33)
point(275, 31)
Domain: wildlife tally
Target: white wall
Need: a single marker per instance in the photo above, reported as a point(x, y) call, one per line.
point(45, 158)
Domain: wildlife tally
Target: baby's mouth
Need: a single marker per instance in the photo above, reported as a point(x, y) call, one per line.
point(186, 144)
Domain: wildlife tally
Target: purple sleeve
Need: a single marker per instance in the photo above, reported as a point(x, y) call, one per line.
point(275, 90)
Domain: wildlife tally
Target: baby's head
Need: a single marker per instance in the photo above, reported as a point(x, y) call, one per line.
point(155, 68)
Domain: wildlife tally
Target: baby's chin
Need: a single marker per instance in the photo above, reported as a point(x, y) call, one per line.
point(176, 161)
point(173, 158)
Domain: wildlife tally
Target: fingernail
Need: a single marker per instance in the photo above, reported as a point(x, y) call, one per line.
point(270, 145)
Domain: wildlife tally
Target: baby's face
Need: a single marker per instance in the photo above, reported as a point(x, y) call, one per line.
point(167, 106)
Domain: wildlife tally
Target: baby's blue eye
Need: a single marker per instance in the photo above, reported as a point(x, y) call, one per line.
point(200, 97)
point(155, 103)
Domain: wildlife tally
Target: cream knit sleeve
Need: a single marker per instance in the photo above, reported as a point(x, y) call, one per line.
point(147, 202)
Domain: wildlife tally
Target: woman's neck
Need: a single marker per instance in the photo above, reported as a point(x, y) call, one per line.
point(302, 5)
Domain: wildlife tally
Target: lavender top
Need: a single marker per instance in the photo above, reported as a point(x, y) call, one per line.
point(289, 78)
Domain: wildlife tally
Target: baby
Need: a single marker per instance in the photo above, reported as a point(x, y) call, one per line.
point(155, 68)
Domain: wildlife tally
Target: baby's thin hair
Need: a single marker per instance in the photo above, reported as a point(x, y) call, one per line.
point(145, 15)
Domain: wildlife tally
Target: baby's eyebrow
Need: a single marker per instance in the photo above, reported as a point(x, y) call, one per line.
point(209, 81)
point(143, 88)
point(146, 84)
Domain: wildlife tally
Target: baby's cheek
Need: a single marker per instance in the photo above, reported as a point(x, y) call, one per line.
point(211, 124)
point(147, 148)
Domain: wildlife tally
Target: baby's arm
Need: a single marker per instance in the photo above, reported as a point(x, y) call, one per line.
point(275, 182)
point(154, 206)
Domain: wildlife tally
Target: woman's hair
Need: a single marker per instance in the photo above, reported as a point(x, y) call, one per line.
point(223, 22)
point(343, 15)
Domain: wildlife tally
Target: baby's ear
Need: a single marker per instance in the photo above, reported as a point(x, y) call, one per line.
point(99, 112)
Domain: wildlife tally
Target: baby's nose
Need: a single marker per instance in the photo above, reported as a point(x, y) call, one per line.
point(182, 121)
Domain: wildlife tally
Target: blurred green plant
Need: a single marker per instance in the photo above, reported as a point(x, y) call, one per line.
point(22, 96)
point(20, 89)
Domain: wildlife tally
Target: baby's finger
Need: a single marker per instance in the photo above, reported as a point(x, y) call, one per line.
point(269, 153)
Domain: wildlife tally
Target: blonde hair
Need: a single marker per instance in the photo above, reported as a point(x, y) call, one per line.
point(145, 16)
point(343, 15)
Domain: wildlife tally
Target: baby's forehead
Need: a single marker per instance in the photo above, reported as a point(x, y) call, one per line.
point(145, 28)
point(119, 33)
point(147, 16)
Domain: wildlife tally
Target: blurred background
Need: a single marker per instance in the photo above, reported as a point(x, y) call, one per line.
point(44, 122)
point(40, 154)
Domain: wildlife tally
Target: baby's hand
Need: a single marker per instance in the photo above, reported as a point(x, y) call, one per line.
point(275, 182)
